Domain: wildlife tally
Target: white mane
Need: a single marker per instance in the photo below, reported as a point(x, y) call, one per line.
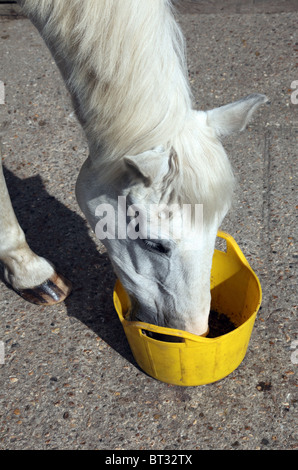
point(126, 71)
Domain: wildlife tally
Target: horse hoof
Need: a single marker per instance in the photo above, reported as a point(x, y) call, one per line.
point(51, 292)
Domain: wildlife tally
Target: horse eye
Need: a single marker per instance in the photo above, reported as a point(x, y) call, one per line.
point(156, 246)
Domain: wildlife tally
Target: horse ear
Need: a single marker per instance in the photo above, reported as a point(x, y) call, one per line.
point(152, 165)
point(234, 117)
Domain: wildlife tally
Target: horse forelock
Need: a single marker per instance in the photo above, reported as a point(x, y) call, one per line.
point(203, 172)
point(199, 171)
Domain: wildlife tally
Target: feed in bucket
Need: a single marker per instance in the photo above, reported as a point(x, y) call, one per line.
point(182, 358)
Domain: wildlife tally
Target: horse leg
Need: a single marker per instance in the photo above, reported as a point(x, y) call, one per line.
point(31, 276)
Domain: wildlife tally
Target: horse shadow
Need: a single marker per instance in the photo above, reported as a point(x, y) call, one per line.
point(62, 236)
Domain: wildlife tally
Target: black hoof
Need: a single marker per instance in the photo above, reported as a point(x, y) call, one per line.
point(51, 292)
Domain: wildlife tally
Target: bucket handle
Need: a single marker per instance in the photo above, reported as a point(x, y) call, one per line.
point(157, 332)
point(233, 248)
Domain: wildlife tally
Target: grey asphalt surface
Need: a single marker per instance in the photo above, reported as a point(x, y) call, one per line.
point(69, 380)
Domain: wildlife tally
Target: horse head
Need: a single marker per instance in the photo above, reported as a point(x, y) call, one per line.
point(159, 217)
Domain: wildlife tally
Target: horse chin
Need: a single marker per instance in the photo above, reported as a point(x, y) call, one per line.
point(136, 313)
point(199, 331)
point(168, 318)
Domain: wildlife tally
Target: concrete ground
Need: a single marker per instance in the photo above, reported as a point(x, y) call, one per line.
point(69, 380)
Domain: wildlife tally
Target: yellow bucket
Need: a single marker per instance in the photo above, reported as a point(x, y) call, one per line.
point(195, 360)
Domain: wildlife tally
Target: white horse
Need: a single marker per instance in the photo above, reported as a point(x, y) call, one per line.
point(124, 65)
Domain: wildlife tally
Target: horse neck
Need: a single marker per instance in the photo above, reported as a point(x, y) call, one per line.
point(124, 67)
